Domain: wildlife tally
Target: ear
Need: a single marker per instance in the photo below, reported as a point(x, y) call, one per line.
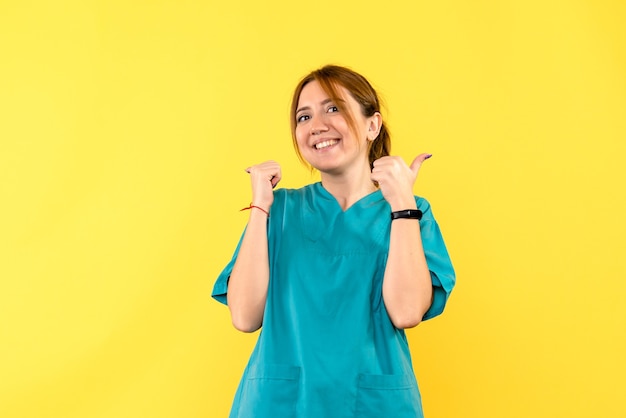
point(375, 122)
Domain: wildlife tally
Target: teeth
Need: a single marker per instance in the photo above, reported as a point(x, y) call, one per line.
point(326, 143)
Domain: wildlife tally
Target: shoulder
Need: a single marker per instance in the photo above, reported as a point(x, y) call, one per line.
point(282, 195)
point(289, 204)
point(424, 206)
point(422, 203)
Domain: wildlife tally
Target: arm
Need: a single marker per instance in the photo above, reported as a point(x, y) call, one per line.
point(407, 286)
point(247, 286)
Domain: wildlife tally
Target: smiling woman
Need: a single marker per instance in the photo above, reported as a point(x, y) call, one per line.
point(353, 95)
point(335, 271)
point(328, 130)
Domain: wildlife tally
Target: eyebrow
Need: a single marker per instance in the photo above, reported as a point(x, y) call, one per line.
point(325, 101)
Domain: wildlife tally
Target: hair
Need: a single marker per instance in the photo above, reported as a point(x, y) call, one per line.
point(331, 77)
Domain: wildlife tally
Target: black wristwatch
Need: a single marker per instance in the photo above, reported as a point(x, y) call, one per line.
point(407, 214)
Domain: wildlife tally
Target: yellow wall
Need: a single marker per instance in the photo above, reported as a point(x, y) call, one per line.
point(125, 127)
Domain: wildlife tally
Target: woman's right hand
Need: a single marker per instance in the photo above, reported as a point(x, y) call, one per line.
point(264, 177)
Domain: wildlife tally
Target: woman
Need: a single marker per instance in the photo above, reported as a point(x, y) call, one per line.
point(335, 271)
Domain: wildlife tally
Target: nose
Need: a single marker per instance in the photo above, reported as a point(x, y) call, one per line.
point(318, 125)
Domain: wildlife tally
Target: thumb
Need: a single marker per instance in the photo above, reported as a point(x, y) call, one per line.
point(417, 162)
point(274, 180)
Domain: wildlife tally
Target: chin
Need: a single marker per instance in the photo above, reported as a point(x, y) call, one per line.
point(332, 170)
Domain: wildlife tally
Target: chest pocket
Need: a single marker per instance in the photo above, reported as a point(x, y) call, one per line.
point(388, 396)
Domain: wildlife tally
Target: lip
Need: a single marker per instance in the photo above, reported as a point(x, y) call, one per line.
point(319, 141)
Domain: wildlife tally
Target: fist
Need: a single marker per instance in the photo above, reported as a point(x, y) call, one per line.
point(263, 178)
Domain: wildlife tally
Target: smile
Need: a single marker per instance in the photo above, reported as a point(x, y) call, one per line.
point(325, 144)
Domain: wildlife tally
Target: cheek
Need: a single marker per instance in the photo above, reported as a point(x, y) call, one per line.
point(301, 137)
point(342, 126)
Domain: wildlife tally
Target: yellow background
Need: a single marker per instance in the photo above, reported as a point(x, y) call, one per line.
point(125, 127)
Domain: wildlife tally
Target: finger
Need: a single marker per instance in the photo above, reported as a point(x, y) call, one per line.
point(378, 170)
point(382, 161)
point(276, 175)
point(417, 162)
point(374, 178)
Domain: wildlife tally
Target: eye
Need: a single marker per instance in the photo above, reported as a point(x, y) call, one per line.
point(302, 118)
point(333, 109)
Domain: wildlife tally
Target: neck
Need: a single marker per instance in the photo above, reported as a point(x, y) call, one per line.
point(348, 188)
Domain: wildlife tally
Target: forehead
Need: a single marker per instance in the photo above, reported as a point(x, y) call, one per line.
point(313, 93)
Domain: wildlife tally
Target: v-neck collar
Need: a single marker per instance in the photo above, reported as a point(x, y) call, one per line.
point(364, 201)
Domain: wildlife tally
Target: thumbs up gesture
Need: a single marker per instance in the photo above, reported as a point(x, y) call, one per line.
point(395, 179)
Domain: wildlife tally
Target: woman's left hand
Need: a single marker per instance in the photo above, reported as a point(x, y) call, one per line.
point(395, 179)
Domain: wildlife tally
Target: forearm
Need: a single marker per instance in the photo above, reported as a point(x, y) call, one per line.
point(247, 286)
point(407, 286)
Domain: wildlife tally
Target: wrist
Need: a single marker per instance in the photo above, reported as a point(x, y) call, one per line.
point(403, 204)
point(264, 205)
point(402, 200)
point(262, 200)
point(406, 214)
point(258, 208)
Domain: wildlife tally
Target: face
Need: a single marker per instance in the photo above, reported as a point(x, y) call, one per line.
point(323, 135)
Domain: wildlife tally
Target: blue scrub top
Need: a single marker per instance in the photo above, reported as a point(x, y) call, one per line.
point(327, 347)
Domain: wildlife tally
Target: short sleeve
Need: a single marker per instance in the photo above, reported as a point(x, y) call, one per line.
point(220, 288)
point(439, 263)
point(274, 230)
